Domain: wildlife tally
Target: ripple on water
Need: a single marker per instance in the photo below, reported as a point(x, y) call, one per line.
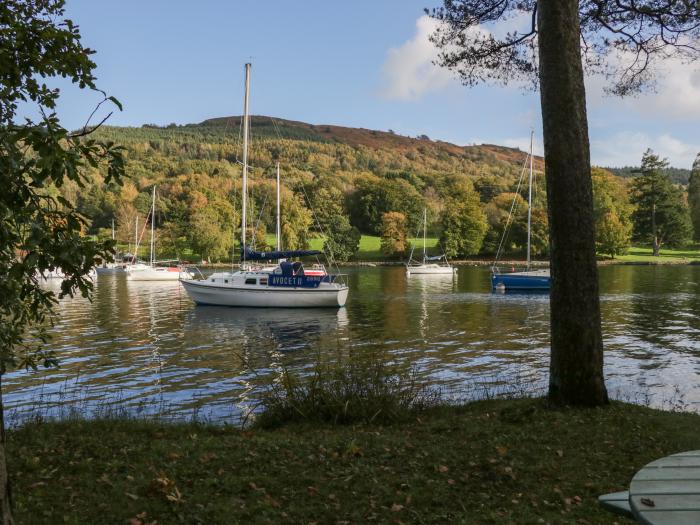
point(145, 346)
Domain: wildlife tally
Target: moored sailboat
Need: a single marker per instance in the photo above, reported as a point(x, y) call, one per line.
point(152, 271)
point(528, 280)
point(284, 285)
point(429, 265)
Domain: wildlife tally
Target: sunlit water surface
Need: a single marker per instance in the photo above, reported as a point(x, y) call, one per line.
point(147, 349)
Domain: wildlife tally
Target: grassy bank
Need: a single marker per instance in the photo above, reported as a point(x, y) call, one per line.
point(487, 462)
point(638, 254)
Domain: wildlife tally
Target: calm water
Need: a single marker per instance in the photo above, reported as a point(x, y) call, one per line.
point(146, 347)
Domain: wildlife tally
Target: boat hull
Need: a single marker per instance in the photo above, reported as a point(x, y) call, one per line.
point(157, 274)
point(268, 297)
point(430, 269)
point(107, 270)
point(521, 281)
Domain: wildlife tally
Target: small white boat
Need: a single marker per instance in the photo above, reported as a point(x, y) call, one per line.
point(109, 268)
point(152, 272)
point(157, 273)
point(437, 265)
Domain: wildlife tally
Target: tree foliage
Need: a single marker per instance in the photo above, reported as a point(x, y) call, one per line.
point(342, 239)
point(40, 230)
point(661, 216)
point(694, 198)
point(612, 210)
point(621, 40)
point(463, 223)
point(394, 235)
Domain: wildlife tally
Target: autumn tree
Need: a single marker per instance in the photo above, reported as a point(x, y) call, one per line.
point(622, 40)
point(41, 232)
point(463, 223)
point(612, 211)
point(661, 216)
point(394, 234)
point(694, 198)
point(296, 222)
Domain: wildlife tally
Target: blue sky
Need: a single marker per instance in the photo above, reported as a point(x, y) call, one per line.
point(362, 64)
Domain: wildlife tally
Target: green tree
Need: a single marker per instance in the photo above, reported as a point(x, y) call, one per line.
point(296, 223)
point(612, 211)
point(661, 217)
point(463, 223)
point(694, 198)
point(209, 235)
point(394, 236)
point(373, 197)
point(40, 232)
point(342, 239)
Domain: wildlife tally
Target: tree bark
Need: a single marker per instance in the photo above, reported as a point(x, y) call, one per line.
point(653, 230)
point(5, 499)
point(576, 366)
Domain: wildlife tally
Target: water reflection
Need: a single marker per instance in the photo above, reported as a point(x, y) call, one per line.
point(146, 345)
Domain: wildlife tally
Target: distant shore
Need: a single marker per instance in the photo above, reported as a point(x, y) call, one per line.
point(505, 264)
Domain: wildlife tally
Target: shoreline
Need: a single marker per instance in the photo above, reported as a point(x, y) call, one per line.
point(482, 262)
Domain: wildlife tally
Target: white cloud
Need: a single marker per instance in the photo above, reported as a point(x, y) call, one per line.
point(626, 149)
point(408, 72)
point(676, 94)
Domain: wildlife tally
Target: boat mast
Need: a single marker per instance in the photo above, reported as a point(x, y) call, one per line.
point(278, 230)
point(244, 189)
point(136, 240)
point(529, 202)
point(112, 229)
point(153, 225)
point(425, 227)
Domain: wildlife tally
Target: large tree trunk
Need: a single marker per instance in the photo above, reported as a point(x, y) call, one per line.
point(5, 502)
point(576, 366)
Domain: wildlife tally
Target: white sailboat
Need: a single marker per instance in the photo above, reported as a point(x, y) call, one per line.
point(110, 268)
point(436, 265)
point(151, 271)
point(284, 285)
point(528, 280)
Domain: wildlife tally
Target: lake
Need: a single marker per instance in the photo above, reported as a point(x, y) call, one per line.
point(147, 349)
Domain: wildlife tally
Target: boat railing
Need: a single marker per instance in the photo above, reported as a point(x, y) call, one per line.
point(192, 270)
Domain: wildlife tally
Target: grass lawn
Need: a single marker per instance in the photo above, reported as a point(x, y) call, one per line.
point(370, 246)
point(491, 462)
point(638, 254)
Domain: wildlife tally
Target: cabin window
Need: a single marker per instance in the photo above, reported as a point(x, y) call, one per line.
point(251, 281)
point(263, 280)
point(213, 280)
point(226, 281)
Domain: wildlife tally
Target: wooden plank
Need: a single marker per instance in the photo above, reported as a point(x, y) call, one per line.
point(666, 517)
point(667, 502)
point(676, 461)
point(668, 473)
point(643, 487)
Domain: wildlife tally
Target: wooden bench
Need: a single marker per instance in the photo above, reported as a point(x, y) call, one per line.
point(617, 503)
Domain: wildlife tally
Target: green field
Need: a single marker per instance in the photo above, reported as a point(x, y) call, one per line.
point(370, 249)
point(667, 256)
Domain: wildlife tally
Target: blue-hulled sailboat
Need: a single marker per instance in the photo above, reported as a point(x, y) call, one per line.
point(528, 280)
